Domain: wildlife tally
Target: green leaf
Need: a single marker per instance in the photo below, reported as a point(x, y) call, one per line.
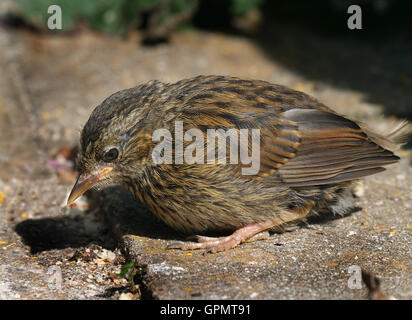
point(125, 268)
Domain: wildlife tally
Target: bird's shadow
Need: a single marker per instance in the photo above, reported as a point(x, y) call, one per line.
point(61, 232)
point(118, 213)
point(126, 215)
point(328, 216)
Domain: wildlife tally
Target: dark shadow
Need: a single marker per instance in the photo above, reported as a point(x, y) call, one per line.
point(60, 233)
point(126, 215)
point(121, 214)
point(329, 216)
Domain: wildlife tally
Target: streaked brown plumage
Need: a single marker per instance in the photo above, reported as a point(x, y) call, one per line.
point(308, 156)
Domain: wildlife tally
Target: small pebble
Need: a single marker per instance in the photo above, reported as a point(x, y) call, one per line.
point(125, 296)
point(106, 254)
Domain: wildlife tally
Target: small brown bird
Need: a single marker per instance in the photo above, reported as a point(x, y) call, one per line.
point(308, 155)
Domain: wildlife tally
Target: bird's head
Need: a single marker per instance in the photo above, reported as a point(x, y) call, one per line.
point(115, 142)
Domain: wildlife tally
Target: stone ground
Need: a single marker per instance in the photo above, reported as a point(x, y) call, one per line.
point(50, 84)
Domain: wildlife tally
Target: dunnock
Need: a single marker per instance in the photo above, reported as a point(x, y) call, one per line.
point(308, 155)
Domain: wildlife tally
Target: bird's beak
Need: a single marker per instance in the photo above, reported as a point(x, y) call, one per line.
point(85, 182)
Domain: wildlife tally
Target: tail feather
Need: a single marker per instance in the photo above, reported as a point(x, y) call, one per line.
point(394, 139)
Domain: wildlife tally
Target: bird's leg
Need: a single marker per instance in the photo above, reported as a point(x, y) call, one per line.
point(224, 243)
point(252, 232)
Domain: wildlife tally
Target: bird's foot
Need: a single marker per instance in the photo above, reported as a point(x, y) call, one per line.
point(249, 233)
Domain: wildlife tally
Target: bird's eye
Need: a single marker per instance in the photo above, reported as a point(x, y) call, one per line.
point(111, 155)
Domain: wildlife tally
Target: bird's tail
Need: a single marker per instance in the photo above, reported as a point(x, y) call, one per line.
point(394, 139)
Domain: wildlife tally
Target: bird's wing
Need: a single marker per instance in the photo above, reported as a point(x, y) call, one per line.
point(331, 149)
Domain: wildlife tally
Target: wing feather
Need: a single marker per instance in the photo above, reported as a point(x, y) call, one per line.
point(333, 149)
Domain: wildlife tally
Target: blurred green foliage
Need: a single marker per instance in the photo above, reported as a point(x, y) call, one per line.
point(158, 18)
point(242, 7)
point(114, 16)
point(118, 16)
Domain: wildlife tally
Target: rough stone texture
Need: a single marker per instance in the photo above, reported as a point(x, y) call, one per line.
point(50, 84)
